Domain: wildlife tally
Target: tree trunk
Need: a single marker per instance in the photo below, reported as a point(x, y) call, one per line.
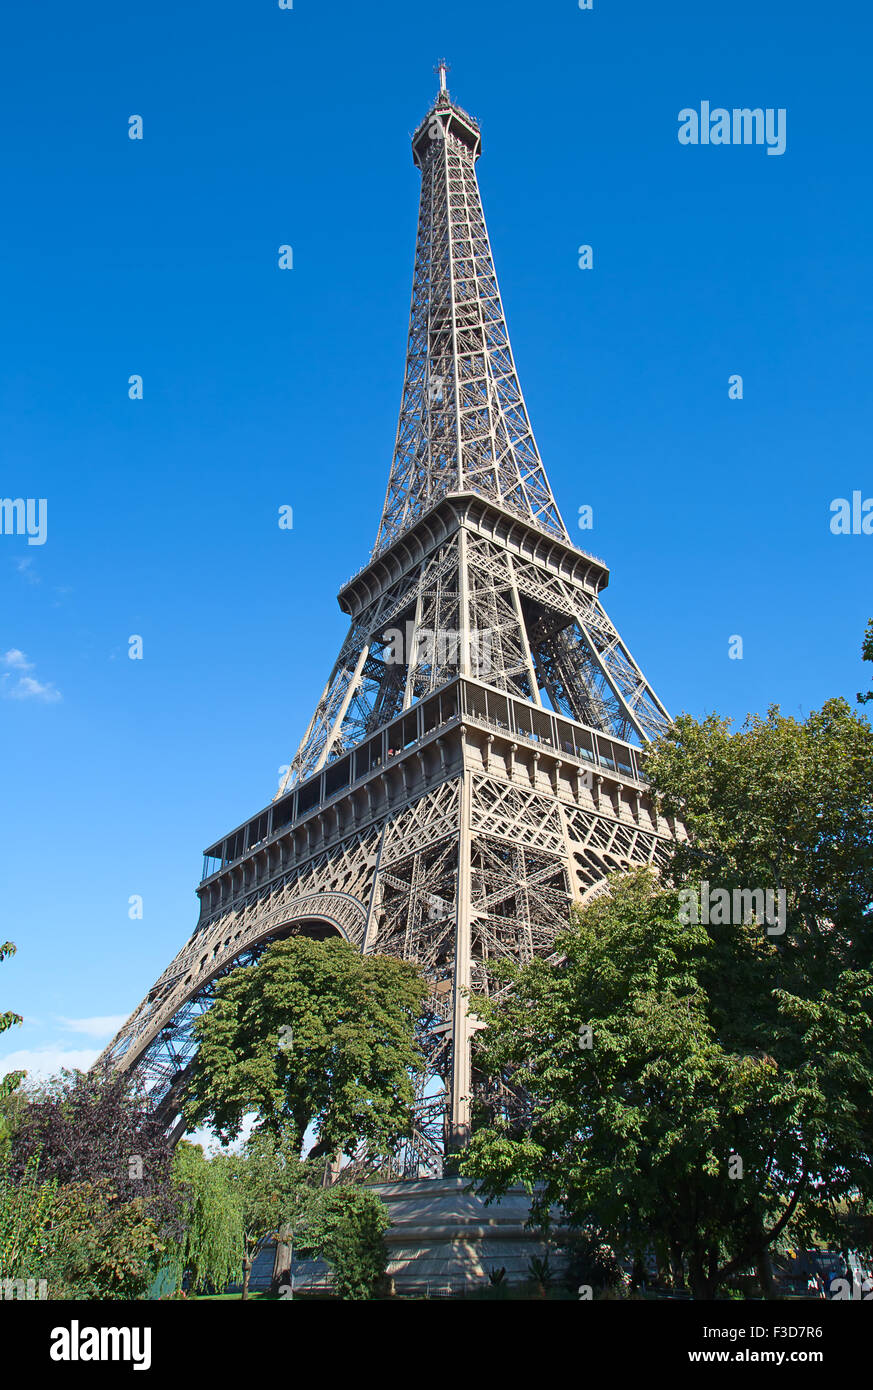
point(282, 1259)
point(700, 1274)
point(696, 1277)
point(677, 1267)
point(764, 1271)
point(332, 1167)
point(247, 1271)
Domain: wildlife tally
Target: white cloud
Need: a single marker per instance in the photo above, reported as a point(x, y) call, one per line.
point(103, 1026)
point(25, 568)
point(210, 1142)
point(42, 1062)
point(26, 688)
point(16, 660)
point(47, 1059)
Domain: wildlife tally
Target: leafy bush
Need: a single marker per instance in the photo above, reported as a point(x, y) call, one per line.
point(349, 1233)
point(591, 1261)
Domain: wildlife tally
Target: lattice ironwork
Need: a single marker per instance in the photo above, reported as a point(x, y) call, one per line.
point(463, 421)
point(469, 771)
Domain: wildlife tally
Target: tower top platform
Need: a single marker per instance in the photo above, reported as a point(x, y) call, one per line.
point(445, 117)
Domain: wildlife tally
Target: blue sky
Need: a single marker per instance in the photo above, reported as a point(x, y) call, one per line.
point(265, 127)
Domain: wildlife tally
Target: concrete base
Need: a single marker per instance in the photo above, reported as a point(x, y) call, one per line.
point(444, 1239)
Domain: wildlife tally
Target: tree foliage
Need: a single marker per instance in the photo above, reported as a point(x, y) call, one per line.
point(315, 1034)
point(95, 1128)
point(9, 1020)
point(711, 1043)
point(87, 1181)
point(348, 1230)
point(867, 655)
point(274, 1190)
point(102, 1246)
point(26, 1209)
point(212, 1243)
point(13, 1107)
point(79, 1237)
point(780, 804)
point(241, 1202)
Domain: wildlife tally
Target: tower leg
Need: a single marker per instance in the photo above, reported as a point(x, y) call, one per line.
point(459, 1130)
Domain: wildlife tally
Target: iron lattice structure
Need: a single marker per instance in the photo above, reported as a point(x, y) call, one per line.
point(473, 765)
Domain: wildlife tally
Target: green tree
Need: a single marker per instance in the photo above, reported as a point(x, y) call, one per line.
point(867, 655)
point(658, 1125)
point(79, 1237)
point(624, 1124)
point(88, 1170)
point(275, 1193)
point(348, 1230)
point(235, 1204)
point(102, 1247)
point(787, 805)
point(589, 1259)
point(26, 1209)
point(13, 1110)
point(96, 1127)
point(723, 1037)
point(315, 1034)
point(780, 804)
point(9, 1020)
point(212, 1246)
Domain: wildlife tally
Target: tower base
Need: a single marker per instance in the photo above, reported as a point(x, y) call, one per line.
point(443, 1239)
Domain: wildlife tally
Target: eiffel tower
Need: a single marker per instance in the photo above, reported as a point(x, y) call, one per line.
point(473, 765)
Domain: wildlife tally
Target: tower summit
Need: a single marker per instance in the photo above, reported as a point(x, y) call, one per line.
point(463, 422)
point(472, 767)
